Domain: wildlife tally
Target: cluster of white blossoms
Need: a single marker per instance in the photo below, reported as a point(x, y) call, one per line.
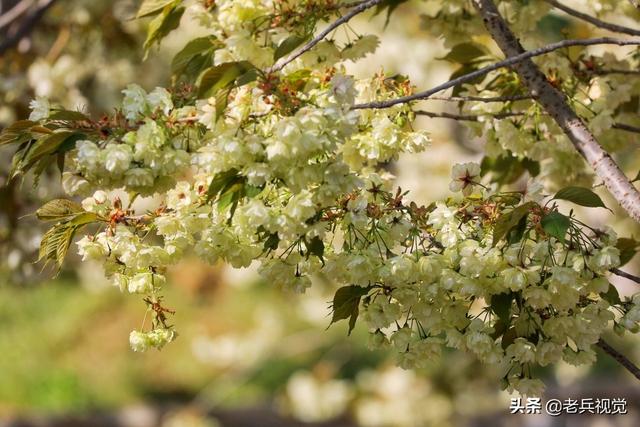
point(279, 168)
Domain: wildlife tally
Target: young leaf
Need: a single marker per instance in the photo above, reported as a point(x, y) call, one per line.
point(501, 305)
point(316, 247)
point(390, 5)
point(68, 116)
point(221, 76)
point(162, 25)
point(611, 296)
point(580, 196)
point(58, 209)
point(346, 304)
point(465, 53)
point(152, 7)
point(556, 224)
point(509, 220)
point(17, 133)
point(288, 45)
point(220, 181)
point(508, 338)
point(272, 242)
point(628, 249)
point(192, 52)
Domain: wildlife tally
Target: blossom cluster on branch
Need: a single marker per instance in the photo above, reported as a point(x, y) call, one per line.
point(278, 168)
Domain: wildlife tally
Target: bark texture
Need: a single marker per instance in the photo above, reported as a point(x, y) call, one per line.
point(555, 103)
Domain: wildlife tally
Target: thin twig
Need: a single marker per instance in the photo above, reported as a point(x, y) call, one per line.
point(595, 21)
point(511, 98)
point(555, 103)
point(606, 72)
point(496, 66)
point(626, 275)
point(26, 27)
point(619, 357)
point(627, 128)
point(468, 117)
point(324, 33)
point(12, 14)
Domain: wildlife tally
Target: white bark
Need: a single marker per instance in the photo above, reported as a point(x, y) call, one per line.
point(554, 102)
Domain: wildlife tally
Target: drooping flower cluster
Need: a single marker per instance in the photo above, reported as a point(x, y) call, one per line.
point(278, 168)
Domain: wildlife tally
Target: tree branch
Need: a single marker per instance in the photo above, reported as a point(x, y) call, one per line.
point(554, 102)
point(512, 98)
point(513, 60)
point(280, 64)
point(468, 117)
point(627, 128)
point(26, 26)
point(626, 275)
point(592, 20)
point(619, 357)
point(14, 13)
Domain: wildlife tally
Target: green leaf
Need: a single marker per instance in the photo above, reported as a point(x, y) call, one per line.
point(611, 296)
point(194, 51)
point(68, 115)
point(220, 181)
point(390, 5)
point(316, 247)
point(162, 25)
point(506, 222)
point(556, 224)
point(466, 53)
point(509, 168)
point(501, 305)
point(58, 209)
point(272, 242)
point(48, 145)
point(346, 304)
point(152, 7)
point(509, 337)
point(288, 45)
point(221, 76)
point(580, 196)
point(56, 241)
point(465, 69)
point(17, 133)
point(628, 249)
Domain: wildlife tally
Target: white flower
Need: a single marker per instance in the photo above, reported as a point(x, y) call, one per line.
point(160, 337)
point(160, 98)
point(139, 177)
point(139, 341)
point(134, 102)
point(605, 259)
point(465, 177)
point(143, 283)
point(40, 109)
point(118, 158)
point(534, 191)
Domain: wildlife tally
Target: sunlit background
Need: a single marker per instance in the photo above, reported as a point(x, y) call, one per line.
point(247, 354)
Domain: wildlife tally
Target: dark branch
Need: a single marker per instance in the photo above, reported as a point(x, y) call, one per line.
point(324, 33)
point(496, 66)
point(595, 21)
point(627, 128)
point(26, 26)
point(512, 98)
point(468, 117)
point(620, 358)
point(626, 275)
